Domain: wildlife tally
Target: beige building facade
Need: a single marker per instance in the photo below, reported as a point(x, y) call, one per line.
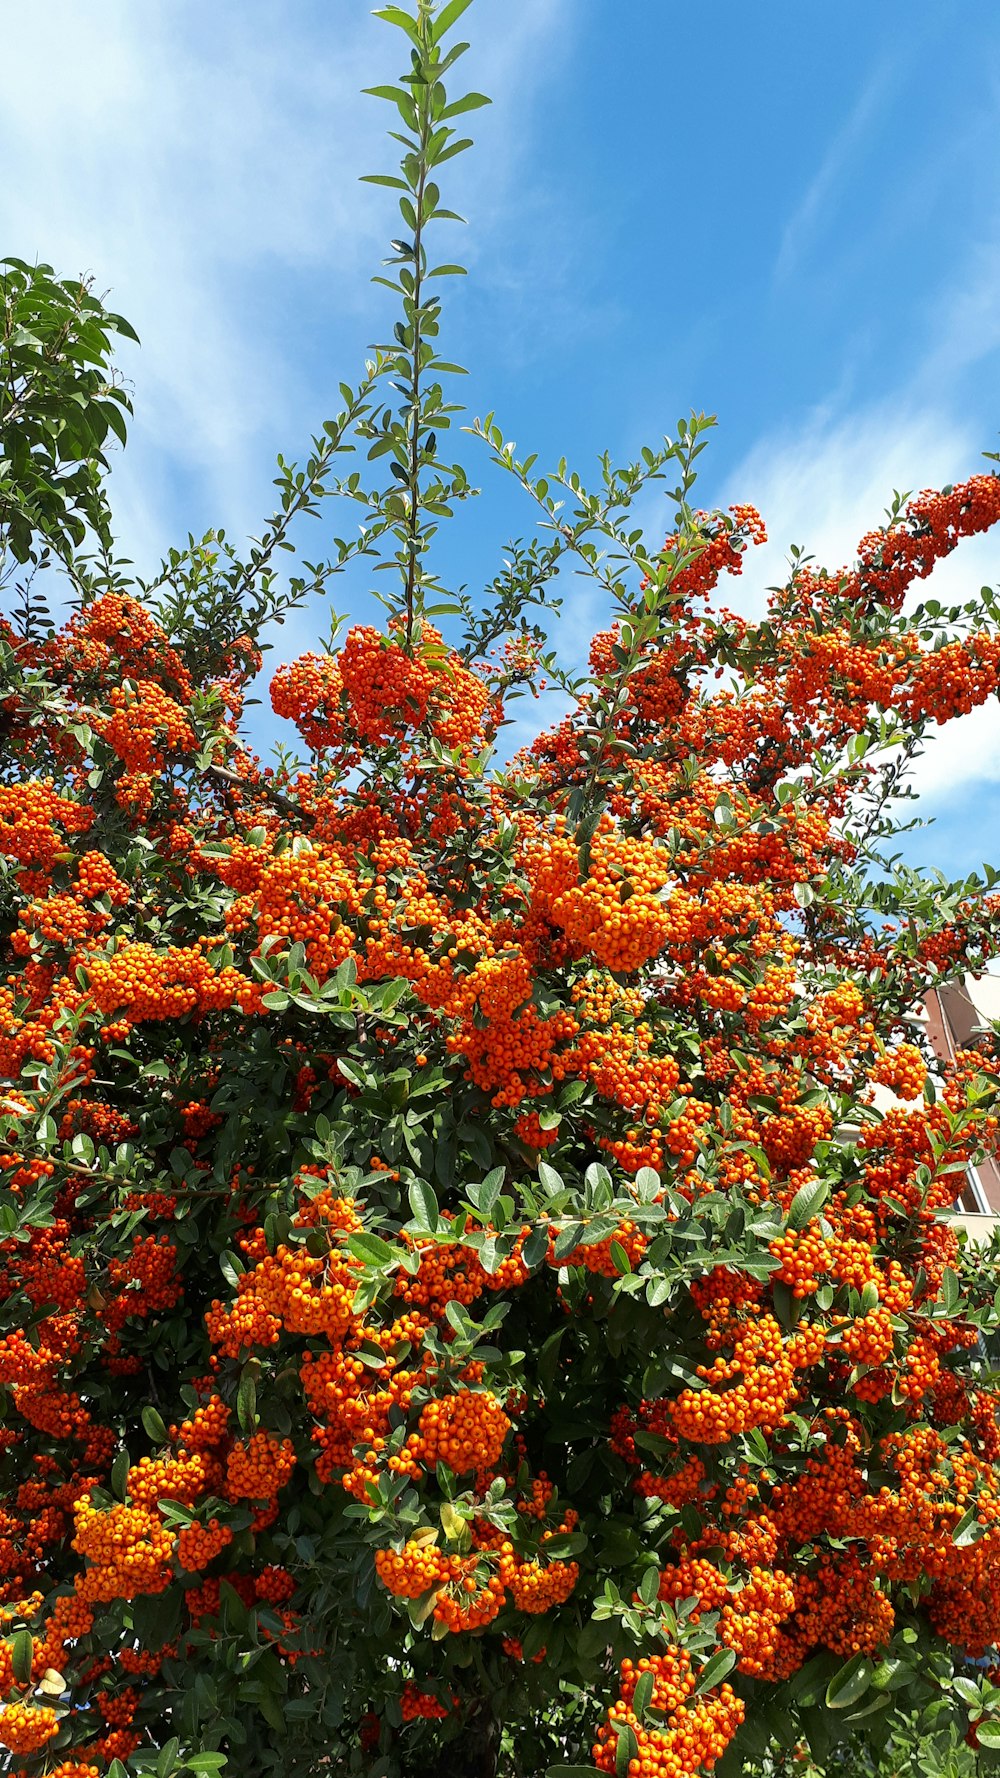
point(953, 1017)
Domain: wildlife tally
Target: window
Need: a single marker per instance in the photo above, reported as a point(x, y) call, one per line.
point(973, 1199)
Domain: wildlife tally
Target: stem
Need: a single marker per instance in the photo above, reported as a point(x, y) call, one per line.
point(477, 1750)
point(418, 274)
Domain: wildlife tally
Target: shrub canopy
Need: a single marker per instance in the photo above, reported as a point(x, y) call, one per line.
point(468, 1302)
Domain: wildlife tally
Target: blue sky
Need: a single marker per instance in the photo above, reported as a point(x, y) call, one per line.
point(787, 215)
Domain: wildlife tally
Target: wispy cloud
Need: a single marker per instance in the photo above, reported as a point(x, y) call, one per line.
point(178, 161)
point(826, 483)
point(203, 165)
point(822, 484)
point(825, 480)
point(965, 323)
point(813, 207)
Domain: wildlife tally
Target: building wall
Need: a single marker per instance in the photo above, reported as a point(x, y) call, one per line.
point(953, 1015)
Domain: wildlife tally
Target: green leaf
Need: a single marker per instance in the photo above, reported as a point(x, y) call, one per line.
point(232, 1610)
point(988, 1734)
point(372, 1249)
point(649, 1586)
point(166, 1765)
point(22, 1653)
point(850, 1683)
point(568, 1240)
point(626, 1750)
point(716, 1669)
point(642, 1695)
point(874, 1705)
point(271, 1710)
point(470, 102)
point(394, 15)
point(153, 1424)
point(453, 1523)
point(424, 1204)
point(119, 1475)
point(807, 1202)
point(787, 1308)
point(969, 1528)
point(396, 95)
point(950, 1291)
point(569, 1543)
point(647, 1184)
point(388, 179)
point(535, 1248)
point(448, 16)
point(246, 1396)
point(487, 1193)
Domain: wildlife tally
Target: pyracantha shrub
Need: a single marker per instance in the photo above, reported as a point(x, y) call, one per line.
point(477, 1279)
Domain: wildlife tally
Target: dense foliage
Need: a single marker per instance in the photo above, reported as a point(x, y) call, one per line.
point(477, 1285)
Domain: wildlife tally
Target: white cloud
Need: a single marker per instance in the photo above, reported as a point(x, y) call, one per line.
point(194, 159)
point(172, 162)
point(966, 325)
point(823, 484)
point(818, 196)
point(822, 487)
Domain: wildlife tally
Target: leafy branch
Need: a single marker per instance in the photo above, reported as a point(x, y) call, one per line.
point(422, 490)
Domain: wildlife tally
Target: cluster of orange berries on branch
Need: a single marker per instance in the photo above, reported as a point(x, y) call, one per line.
point(309, 693)
point(616, 915)
point(719, 545)
point(417, 1705)
point(198, 1545)
point(25, 1728)
point(183, 1478)
point(466, 1431)
point(36, 822)
point(207, 1428)
point(694, 1735)
point(136, 984)
point(470, 1598)
point(128, 1549)
point(447, 1272)
point(375, 690)
point(302, 1292)
point(903, 1070)
point(415, 1569)
point(529, 1129)
point(536, 1587)
point(669, 996)
point(694, 1578)
point(752, 1619)
point(753, 1387)
point(870, 1339)
point(889, 561)
point(258, 1469)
